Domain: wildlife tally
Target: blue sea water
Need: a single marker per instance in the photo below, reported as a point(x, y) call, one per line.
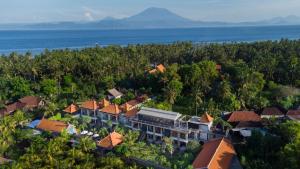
point(37, 41)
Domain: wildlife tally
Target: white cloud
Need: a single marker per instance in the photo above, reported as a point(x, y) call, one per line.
point(88, 16)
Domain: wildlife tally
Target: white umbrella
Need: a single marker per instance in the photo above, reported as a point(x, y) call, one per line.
point(90, 134)
point(96, 135)
point(84, 132)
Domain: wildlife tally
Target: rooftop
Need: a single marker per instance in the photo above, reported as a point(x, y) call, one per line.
point(238, 116)
point(215, 154)
point(52, 126)
point(114, 92)
point(30, 101)
point(111, 109)
point(272, 111)
point(206, 118)
point(159, 113)
point(71, 109)
point(104, 103)
point(110, 141)
point(131, 113)
point(91, 104)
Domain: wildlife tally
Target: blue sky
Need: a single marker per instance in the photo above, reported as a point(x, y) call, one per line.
point(26, 11)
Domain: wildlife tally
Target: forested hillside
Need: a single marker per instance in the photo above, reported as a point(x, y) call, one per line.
point(253, 75)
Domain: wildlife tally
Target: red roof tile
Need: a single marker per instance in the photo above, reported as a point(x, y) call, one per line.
point(271, 111)
point(131, 113)
point(215, 154)
point(111, 109)
point(91, 104)
point(31, 101)
point(130, 105)
point(104, 103)
point(71, 109)
point(110, 141)
point(206, 118)
point(159, 68)
point(239, 116)
point(52, 126)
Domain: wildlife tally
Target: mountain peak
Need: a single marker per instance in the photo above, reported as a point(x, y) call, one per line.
point(154, 13)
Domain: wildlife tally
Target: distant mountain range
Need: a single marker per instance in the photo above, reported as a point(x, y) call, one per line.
point(147, 19)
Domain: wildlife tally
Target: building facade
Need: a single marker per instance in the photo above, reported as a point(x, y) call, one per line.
point(156, 124)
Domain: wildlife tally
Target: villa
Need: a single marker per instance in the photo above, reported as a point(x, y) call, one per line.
point(153, 123)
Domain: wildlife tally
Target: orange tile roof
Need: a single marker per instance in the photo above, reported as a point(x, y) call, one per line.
point(161, 68)
point(271, 111)
point(130, 104)
point(104, 103)
point(239, 116)
point(31, 101)
point(52, 126)
point(91, 104)
point(71, 109)
point(206, 118)
point(131, 113)
point(126, 107)
point(153, 71)
point(215, 154)
point(110, 141)
point(111, 109)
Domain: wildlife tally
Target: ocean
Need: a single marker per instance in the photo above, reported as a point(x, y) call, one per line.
point(37, 41)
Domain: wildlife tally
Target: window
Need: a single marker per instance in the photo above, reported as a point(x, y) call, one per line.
point(150, 128)
point(158, 130)
point(182, 135)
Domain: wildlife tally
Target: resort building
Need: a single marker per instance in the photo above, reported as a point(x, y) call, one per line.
point(160, 123)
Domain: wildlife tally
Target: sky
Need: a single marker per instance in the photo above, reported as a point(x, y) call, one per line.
point(35, 11)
